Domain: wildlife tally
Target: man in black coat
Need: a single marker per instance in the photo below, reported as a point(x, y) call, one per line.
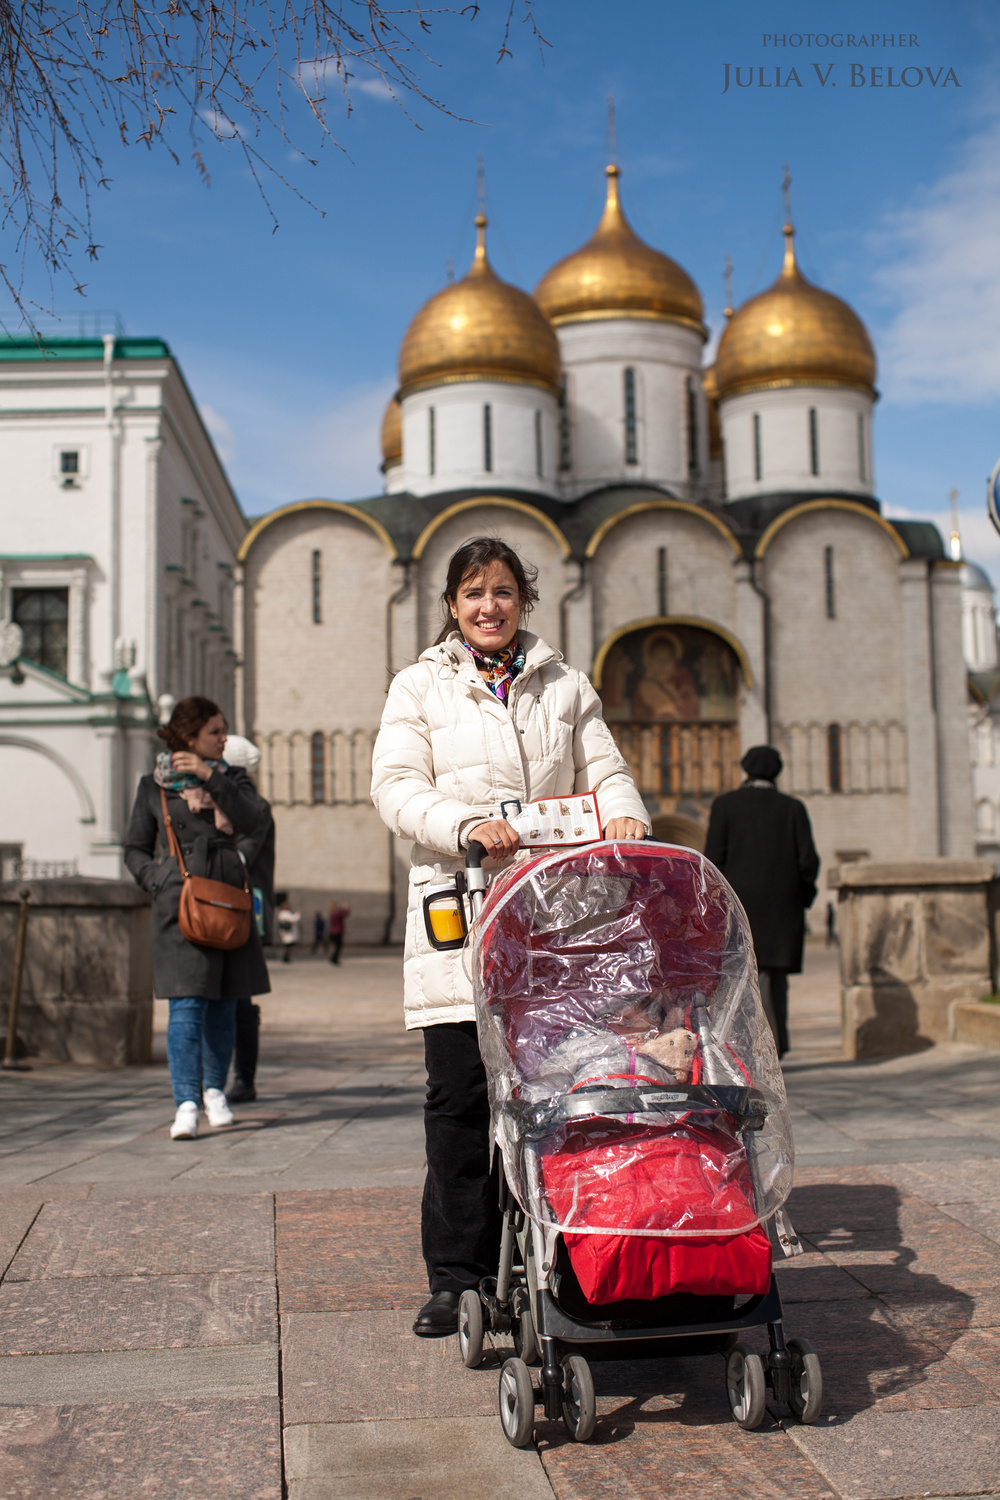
point(762, 842)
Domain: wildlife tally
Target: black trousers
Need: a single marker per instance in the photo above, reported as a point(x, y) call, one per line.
point(247, 1042)
point(460, 1215)
point(336, 942)
point(774, 997)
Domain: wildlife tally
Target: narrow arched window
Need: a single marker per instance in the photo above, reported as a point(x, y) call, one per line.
point(813, 441)
point(758, 467)
point(834, 757)
point(317, 767)
point(862, 466)
point(564, 449)
point(488, 439)
point(831, 603)
point(631, 439)
point(692, 428)
point(317, 587)
point(431, 442)
point(538, 444)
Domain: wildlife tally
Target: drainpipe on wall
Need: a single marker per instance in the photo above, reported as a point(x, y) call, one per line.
point(932, 664)
point(765, 596)
point(574, 593)
point(394, 599)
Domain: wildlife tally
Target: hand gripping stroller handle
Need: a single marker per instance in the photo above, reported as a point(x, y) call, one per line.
point(475, 879)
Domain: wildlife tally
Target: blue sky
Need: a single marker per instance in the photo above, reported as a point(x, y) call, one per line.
point(289, 338)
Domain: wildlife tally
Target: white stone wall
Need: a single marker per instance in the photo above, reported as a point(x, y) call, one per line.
point(979, 629)
point(844, 459)
point(524, 438)
point(665, 357)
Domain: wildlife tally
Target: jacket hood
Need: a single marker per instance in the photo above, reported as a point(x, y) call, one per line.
point(452, 651)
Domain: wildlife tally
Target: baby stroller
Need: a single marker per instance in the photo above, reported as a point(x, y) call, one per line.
point(639, 1108)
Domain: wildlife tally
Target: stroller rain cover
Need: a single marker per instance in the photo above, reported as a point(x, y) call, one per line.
point(630, 965)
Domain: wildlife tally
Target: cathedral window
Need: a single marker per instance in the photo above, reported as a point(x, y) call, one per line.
point(758, 467)
point(631, 442)
point(661, 581)
point(431, 442)
point(862, 466)
point(43, 615)
point(834, 757)
point(564, 450)
point(813, 441)
point(317, 767)
point(487, 439)
point(831, 603)
point(692, 427)
point(538, 444)
point(317, 587)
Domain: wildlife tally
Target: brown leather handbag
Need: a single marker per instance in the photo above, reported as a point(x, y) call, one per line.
point(212, 914)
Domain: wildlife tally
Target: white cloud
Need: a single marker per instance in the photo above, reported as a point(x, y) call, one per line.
point(221, 433)
point(377, 88)
point(942, 276)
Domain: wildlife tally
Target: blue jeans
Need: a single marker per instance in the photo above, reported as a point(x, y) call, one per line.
point(200, 1038)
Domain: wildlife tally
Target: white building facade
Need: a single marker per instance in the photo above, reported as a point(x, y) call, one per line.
point(117, 557)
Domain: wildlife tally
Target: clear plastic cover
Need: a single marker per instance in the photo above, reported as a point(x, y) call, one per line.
point(633, 1080)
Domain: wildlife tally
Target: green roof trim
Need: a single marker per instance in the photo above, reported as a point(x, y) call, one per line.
point(19, 348)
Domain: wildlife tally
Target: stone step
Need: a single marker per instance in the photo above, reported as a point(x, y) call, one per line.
point(977, 1022)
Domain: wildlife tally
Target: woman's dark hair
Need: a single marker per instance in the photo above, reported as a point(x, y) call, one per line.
point(188, 719)
point(474, 558)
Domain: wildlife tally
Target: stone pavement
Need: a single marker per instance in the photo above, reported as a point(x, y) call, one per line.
point(230, 1317)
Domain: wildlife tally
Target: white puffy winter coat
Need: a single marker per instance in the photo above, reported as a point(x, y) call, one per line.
point(449, 752)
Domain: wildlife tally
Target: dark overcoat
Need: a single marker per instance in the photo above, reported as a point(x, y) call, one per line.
point(179, 967)
point(258, 851)
point(762, 842)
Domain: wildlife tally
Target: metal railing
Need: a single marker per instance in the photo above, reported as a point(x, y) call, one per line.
point(681, 758)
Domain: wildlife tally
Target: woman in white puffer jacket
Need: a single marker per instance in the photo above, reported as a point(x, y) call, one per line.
point(488, 714)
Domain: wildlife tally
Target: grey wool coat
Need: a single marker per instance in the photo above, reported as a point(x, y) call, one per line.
point(181, 968)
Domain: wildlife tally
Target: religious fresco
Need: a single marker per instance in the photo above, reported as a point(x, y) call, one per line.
point(668, 674)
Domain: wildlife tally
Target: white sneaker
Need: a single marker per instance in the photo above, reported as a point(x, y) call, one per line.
point(185, 1126)
point(216, 1107)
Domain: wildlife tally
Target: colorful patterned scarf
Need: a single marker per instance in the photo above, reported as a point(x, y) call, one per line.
point(501, 667)
point(187, 785)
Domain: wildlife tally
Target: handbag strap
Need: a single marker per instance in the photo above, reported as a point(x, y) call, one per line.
point(172, 839)
point(175, 847)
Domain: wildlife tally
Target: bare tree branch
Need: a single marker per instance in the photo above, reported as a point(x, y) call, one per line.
point(237, 72)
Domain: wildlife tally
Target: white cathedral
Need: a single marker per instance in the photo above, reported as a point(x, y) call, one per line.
point(709, 545)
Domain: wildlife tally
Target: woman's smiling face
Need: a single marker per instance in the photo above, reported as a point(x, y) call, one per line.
point(487, 608)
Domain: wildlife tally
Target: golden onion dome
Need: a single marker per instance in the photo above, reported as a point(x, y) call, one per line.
point(480, 328)
point(392, 435)
point(616, 275)
point(794, 334)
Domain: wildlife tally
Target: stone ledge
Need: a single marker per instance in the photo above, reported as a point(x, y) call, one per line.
point(74, 890)
point(976, 1023)
point(863, 873)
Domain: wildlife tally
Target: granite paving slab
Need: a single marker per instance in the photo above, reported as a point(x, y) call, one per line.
point(16, 1218)
point(365, 1366)
point(950, 1314)
point(139, 1375)
point(340, 1251)
point(452, 1459)
point(266, 1151)
point(200, 1447)
point(137, 1312)
point(870, 1358)
point(888, 1455)
point(657, 1455)
point(132, 1236)
point(963, 1180)
point(812, 1277)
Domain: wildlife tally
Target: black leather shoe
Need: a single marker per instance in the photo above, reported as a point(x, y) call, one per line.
point(241, 1093)
point(438, 1317)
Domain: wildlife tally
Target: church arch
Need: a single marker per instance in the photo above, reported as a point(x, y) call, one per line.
point(20, 742)
point(671, 689)
point(682, 506)
point(476, 502)
point(808, 507)
point(303, 505)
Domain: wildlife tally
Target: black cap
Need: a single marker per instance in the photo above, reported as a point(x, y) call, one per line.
point(762, 763)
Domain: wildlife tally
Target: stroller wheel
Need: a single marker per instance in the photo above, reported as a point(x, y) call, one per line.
point(470, 1330)
point(525, 1343)
point(745, 1387)
point(806, 1398)
point(579, 1407)
point(516, 1397)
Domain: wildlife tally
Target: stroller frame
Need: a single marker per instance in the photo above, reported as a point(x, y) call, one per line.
point(519, 1301)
